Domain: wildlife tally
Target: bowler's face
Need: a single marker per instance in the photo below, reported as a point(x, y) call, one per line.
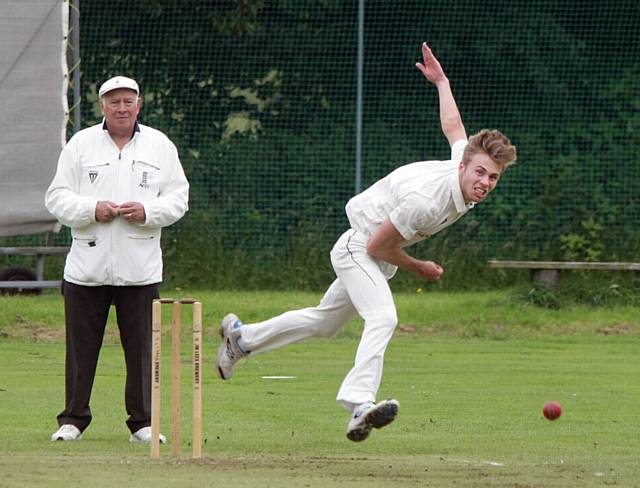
point(120, 109)
point(478, 177)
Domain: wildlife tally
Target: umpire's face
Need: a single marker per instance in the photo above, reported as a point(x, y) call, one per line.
point(120, 109)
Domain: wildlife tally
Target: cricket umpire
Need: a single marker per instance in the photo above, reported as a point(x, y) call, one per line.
point(117, 184)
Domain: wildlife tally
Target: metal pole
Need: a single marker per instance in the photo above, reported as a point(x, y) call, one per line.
point(358, 185)
point(75, 62)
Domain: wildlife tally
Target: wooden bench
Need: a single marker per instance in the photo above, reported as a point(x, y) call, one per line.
point(39, 252)
point(547, 273)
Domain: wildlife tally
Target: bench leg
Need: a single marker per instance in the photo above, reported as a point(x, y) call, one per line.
point(40, 267)
point(637, 280)
point(549, 278)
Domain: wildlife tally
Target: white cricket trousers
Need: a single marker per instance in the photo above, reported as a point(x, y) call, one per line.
point(360, 288)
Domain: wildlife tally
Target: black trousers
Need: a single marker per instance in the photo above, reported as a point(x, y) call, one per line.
point(86, 311)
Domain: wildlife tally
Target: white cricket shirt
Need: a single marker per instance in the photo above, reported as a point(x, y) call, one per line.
point(419, 198)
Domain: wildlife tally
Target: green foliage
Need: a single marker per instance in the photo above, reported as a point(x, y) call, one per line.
point(584, 247)
point(259, 98)
point(235, 260)
point(584, 288)
point(543, 297)
point(597, 290)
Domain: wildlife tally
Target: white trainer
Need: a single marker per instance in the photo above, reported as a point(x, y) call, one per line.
point(370, 416)
point(144, 435)
point(67, 432)
point(229, 353)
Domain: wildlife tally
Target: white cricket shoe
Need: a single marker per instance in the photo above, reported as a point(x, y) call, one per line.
point(229, 352)
point(144, 435)
point(67, 432)
point(370, 416)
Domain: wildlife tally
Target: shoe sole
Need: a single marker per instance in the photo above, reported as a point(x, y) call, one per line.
point(62, 439)
point(136, 440)
point(358, 435)
point(70, 439)
point(384, 413)
point(222, 349)
point(221, 352)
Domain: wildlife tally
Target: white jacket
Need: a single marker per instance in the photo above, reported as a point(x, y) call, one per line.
point(92, 168)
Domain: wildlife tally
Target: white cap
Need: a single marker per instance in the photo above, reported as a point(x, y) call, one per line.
point(118, 82)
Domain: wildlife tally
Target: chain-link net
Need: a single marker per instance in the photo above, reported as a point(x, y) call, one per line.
point(260, 98)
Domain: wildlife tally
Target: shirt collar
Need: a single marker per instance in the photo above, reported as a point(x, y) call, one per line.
point(136, 127)
point(456, 194)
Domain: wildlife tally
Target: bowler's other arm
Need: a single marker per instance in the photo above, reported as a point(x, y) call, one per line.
point(450, 119)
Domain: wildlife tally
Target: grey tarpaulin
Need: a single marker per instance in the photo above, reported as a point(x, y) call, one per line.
point(33, 87)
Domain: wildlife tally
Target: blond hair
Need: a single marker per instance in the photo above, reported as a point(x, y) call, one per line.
point(494, 144)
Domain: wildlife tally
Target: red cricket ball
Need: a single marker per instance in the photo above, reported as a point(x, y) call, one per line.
point(552, 410)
